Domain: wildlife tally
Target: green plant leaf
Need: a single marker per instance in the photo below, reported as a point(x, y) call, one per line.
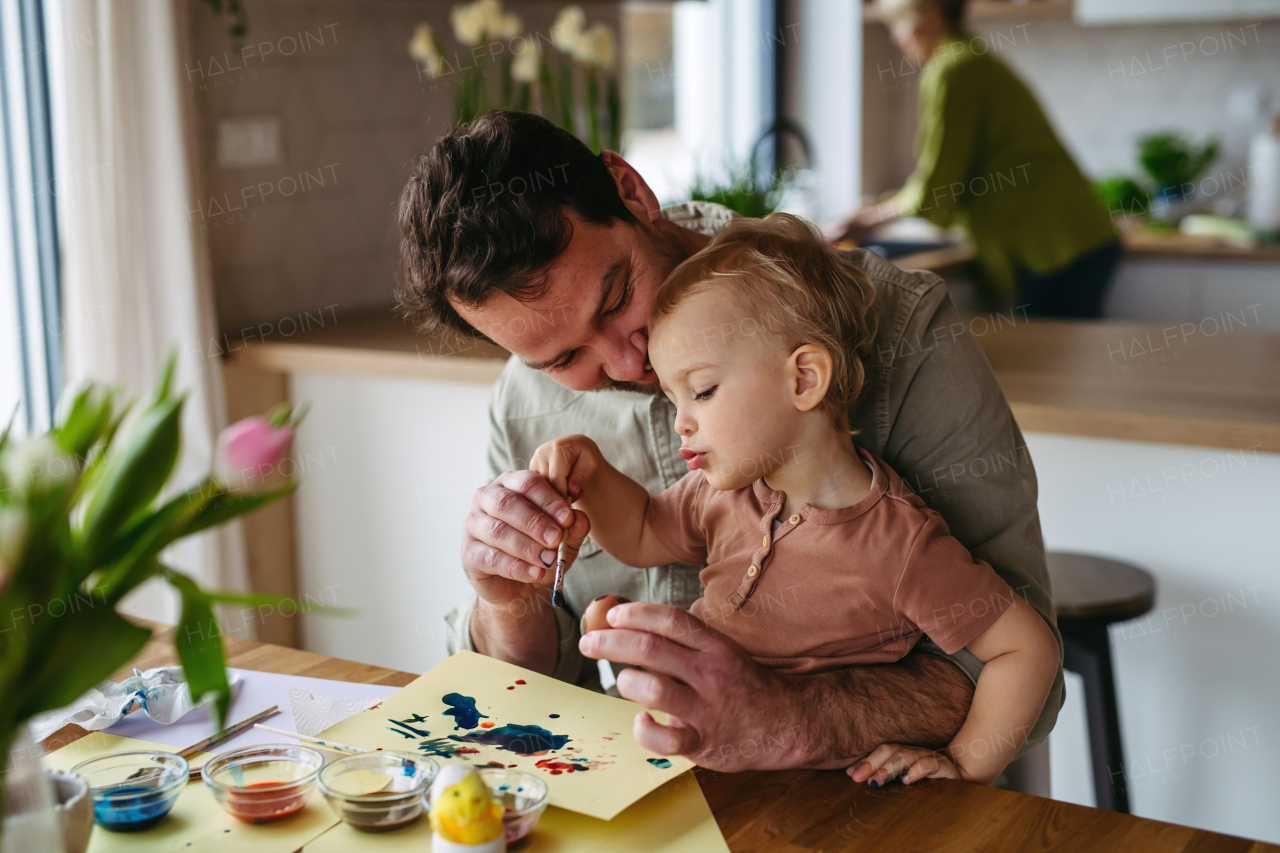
point(85, 420)
point(133, 474)
point(198, 640)
point(85, 648)
point(159, 529)
point(224, 506)
point(262, 599)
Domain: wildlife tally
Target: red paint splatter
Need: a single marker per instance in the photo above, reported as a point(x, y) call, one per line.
point(608, 738)
point(511, 688)
point(486, 725)
point(466, 750)
point(558, 767)
point(519, 681)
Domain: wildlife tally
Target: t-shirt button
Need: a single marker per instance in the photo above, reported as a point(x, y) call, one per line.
point(766, 540)
point(795, 519)
point(751, 572)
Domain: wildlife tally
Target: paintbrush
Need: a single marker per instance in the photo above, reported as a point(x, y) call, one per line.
point(556, 594)
point(332, 746)
point(212, 740)
point(228, 732)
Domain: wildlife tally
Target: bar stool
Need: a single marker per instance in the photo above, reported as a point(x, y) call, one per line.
point(1089, 594)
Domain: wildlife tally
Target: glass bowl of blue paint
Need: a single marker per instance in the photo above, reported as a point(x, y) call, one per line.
point(133, 790)
point(523, 798)
point(378, 791)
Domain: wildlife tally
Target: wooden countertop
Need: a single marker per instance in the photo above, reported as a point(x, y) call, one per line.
point(1138, 243)
point(813, 810)
point(1198, 385)
point(1176, 384)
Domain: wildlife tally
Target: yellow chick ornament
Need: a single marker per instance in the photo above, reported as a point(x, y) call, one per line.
point(463, 814)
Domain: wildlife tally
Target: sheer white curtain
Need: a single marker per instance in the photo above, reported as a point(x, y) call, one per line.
point(136, 276)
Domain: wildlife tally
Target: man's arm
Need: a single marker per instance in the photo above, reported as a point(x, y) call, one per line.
point(727, 712)
point(954, 442)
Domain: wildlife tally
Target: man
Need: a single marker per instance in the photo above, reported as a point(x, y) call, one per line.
point(511, 229)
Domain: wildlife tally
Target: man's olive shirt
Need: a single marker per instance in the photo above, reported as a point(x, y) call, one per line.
point(930, 408)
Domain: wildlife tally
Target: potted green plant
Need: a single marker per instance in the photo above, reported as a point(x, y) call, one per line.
point(86, 512)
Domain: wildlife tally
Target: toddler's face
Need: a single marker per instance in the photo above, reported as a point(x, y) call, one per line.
point(728, 377)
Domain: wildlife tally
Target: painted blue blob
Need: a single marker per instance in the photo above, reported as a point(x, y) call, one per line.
point(463, 710)
point(416, 718)
point(554, 716)
point(522, 740)
point(402, 734)
point(134, 808)
point(660, 763)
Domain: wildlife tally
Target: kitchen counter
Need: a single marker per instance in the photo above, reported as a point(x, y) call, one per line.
point(1148, 245)
point(1179, 384)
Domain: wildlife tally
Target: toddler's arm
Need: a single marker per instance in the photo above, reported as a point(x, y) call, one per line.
point(615, 504)
point(1021, 660)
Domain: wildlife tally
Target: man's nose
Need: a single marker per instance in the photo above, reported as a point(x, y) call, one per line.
point(626, 359)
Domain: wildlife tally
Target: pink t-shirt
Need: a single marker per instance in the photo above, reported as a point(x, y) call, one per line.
point(828, 587)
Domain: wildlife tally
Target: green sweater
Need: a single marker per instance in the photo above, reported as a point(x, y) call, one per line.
point(988, 160)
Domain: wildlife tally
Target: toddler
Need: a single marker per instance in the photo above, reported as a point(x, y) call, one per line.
point(817, 554)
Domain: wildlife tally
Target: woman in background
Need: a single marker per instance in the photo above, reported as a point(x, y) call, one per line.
point(988, 160)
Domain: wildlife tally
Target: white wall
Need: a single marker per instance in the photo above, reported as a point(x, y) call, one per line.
point(1197, 677)
point(392, 467)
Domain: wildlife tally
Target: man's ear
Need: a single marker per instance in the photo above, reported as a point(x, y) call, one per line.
point(810, 367)
point(635, 193)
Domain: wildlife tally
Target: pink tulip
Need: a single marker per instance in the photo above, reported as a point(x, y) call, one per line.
point(249, 453)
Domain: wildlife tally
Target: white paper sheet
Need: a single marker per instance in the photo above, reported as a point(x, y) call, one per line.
point(258, 691)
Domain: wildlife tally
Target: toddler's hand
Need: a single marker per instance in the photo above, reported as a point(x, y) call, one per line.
point(567, 463)
point(913, 763)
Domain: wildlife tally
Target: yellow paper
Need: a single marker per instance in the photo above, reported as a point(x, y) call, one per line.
point(618, 771)
point(197, 823)
point(673, 819)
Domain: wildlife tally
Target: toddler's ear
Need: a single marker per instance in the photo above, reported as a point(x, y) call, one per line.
point(811, 370)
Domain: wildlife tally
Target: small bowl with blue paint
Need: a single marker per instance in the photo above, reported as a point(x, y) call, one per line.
point(523, 798)
point(378, 791)
point(133, 790)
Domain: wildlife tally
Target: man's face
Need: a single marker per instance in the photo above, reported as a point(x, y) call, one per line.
point(588, 331)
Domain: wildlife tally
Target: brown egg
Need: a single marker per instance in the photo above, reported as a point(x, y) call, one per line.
point(593, 619)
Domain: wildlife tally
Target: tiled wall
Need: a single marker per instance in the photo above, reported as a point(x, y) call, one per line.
point(1102, 87)
point(316, 233)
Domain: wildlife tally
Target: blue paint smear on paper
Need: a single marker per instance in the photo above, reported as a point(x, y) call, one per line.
point(463, 710)
point(409, 728)
point(522, 740)
point(660, 763)
point(416, 718)
point(439, 746)
point(402, 734)
point(554, 716)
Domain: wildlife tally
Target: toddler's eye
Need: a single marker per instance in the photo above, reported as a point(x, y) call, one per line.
point(706, 395)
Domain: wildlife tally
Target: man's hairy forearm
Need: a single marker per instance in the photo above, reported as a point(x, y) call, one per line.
point(522, 632)
point(922, 699)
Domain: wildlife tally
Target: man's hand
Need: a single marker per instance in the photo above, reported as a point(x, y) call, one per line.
point(723, 708)
point(508, 543)
point(510, 536)
point(726, 712)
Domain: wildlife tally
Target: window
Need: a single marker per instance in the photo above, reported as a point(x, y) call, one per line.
point(30, 318)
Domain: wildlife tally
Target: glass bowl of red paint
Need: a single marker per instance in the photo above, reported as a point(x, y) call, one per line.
point(378, 791)
point(261, 784)
point(523, 798)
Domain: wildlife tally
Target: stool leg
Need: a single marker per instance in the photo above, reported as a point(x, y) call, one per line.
point(1087, 652)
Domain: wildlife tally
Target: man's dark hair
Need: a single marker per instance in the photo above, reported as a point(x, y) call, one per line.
point(485, 212)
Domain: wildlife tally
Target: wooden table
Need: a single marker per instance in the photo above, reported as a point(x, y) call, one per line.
point(811, 810)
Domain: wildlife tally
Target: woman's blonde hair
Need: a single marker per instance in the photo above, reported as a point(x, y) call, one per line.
point(805, 292)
